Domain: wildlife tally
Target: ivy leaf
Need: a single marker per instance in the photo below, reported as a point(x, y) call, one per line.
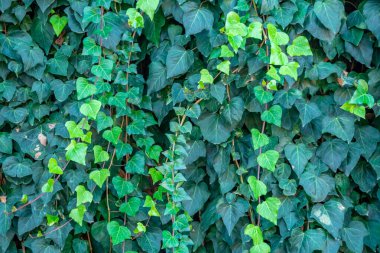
point(255, 30)
point(77, 214)
point(76, 152)
point(308, 241)
point(360, 96)
point(99, 176)
point(330, 216)
point(135, 19)
point(83, 196)
point(54, 167)
point(90, 109)
point(136, 164)
point(260, 248)
point(178, 61)
point(131, 207)
point(308, 111)
point(157, 77)
point(103, 69)
point(118, 233)
point(48, 186)
point(232, 212)
point(257, 187)
point(226, 52)
point(315, 185)
point(91, 14)
point(233, 26)
point(90, 47)
point(277, 57)
point(112, 135)
point(100, 155)
point(224, 67)
point(269, 209)
point(148, 6)
point(196, 19)
point(103, 121)
point(276, 37)
point(84, 88)
point(262, 95)
point(214, 128)
point(353, 236)
point(367, 137)
point(273, 115)
point(58, 23)
point(330, 13)
point(259, 139)
point(268, 159)
point(298, 156)
point(333, 152)
point(341, 126)
point(255, 233)
point(168, 240)
point(122, 186)
point(299, 47)
point(371, 10)
point(290, 69)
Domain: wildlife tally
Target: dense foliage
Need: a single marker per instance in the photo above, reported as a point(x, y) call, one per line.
point(189, 126)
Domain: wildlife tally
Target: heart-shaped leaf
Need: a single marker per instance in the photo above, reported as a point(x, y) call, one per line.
point(112, 135)
point(58, 23)
point(117, 232)
point(100, 176)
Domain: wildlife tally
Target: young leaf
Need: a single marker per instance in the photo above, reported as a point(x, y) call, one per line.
point(90, 109)
point(148, 6)
point(224, 67)
point(299, 47)
point(77, 214)
point(100, 176)
point(54, 167)
point(84, 88)
point(76, 152)
point(268, 159)
point(48, 186)
point(273, 115)
point(259, 139)
point(117, 232)
point(83, 196)
point(269, 209)
point(58, 23)
point(100, 155)
point(258, 188)
point(290, 69)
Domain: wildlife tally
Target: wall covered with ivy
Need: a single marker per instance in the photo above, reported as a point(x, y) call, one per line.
point(189, 126)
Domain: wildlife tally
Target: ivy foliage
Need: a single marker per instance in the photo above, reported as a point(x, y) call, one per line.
point(189, 126)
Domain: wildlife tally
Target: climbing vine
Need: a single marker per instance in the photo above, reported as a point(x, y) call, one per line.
point(189, 126)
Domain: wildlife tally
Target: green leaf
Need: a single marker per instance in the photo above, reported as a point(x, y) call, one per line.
point(99, 176)
point(371, 10)
point(226, 52)
point(48, 186)
point(148, 6)
point(358, 110)
point(353, 236)
point(290, 69)
point(341, 126)
point(277, 57)
point(268, 159)
point(360, 96)
point(308, 111)
point(91, 14)
point(308, 241)
point(269, 209)
point(255, 233)
point(315, 185)
point(83, 196)
point(178, 61)
point(58, 23)
point(333, 152)
point(299, 47)
point(118, 233)
point(54, 167)
point(272, 73)
point(84, 88)
point(76, 152)
point(77, 214)
point(257, 187)
point(255, 30)
point(259, 139)
point(262, 95)
point(224, 67)
point(135, 19)
point(131, 207)
point(205, 78)
point(330, 216)
point(136, 164)
point(90, 109)
point(100, 155)
point(90, 47)
point(103, 69)
point(232, 212)
point(276, 37)
point(196, 19)
point(233, 26)
point(157, 77)
point(122, 186)
point(330, 13)
point(298, 156)
point(214, 128)
point(112, 135)
point(273, 115)
point(168, 240)
point(260, 248)
point(103, 121)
